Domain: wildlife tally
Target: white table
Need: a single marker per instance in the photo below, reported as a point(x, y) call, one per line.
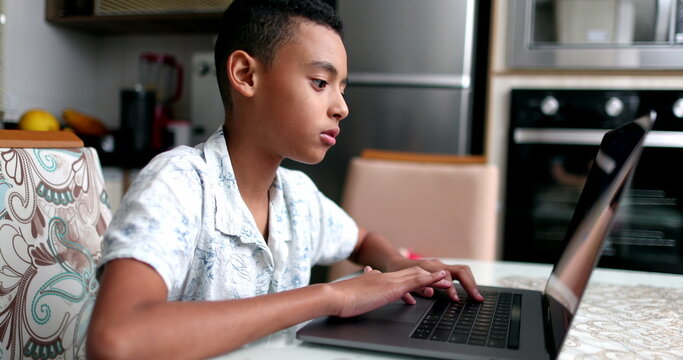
point(623, 315)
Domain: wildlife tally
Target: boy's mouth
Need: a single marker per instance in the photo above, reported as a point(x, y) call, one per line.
point(328, 137)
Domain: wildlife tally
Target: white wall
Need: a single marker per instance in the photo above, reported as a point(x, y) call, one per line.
point(54, 68)
point(45, 67)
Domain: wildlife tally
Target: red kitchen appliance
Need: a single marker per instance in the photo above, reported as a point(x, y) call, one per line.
point(162, 74)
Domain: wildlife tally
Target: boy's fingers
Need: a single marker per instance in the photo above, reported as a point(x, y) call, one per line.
point(437, 276)
point(464, 275)
point(431, 280)
point(426, 292)
point(450, 289)
point(369, 269)
point(452, 293)
point(436, 279)
point(409, 299)
point(444, 283)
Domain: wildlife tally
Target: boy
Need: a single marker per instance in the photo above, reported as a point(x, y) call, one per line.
point(222, 228)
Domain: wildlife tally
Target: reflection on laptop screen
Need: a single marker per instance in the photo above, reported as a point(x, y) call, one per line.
point(611, 171)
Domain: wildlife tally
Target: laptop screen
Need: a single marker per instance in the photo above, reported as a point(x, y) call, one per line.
point(611, 170)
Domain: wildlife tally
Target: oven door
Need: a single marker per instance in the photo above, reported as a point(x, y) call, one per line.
point(547, 170)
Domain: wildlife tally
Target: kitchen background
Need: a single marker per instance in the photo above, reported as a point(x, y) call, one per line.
point(60, 64)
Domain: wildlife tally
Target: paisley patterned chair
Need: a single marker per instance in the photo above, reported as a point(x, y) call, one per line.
point(53, 213)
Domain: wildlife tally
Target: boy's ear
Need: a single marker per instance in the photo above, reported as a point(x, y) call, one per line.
point(241, 68)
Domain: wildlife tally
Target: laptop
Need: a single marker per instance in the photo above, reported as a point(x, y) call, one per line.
point(510, 323)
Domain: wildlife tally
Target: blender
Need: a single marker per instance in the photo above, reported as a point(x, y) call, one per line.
point(162, 74)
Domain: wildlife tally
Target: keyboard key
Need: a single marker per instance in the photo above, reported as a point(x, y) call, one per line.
point(483, 334)
point(458, 339)
point(477, 342)
point(421, 334)
point(439, 307)
point(461, 331)
point(496, 343)
point(440, 335)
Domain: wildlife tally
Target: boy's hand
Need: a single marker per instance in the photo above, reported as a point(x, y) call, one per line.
point(374, 289)
point(462, 273)
point(375, 249)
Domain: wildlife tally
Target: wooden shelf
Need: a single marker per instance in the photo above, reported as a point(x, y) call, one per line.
point(132, 24)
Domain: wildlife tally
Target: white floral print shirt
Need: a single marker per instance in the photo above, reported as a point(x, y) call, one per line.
point(184, 217)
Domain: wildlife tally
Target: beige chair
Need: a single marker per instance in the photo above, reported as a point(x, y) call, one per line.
point(432, 205)
point(53, 213)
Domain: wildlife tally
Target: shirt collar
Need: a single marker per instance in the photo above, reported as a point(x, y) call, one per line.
point(279, 226)
point(232, 215)
point(229, 204)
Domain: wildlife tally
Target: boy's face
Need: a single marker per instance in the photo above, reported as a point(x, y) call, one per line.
point(300, 97)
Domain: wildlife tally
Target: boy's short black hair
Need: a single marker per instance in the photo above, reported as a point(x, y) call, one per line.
point(260, 27)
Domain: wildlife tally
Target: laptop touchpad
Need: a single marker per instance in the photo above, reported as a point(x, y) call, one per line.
point(400, 311)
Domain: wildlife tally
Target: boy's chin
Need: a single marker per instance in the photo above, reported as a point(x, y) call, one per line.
point(310, 159)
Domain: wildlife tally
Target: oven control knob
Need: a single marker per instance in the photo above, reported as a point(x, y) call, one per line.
point(549, 106)
point(678, 108)
point(614, 107)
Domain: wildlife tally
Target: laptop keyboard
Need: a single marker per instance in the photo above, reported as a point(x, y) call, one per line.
point(493, 322)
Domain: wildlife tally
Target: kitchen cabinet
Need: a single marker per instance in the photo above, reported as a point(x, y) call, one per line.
point(60, 13)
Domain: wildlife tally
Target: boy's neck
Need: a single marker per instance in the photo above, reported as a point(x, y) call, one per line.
point(254, 173)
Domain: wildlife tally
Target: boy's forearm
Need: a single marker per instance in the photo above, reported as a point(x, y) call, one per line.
point(205, 329)
point(377, 251)
point(136, 324)
point(227, 325)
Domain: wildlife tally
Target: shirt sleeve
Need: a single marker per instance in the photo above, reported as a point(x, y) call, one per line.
point(158, 220)
point(338, 232)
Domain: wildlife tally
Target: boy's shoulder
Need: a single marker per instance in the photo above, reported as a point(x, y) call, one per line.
point(180, 164)
point(181, 157)
point(295, 179)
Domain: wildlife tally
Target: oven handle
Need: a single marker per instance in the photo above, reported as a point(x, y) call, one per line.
point(554, 136)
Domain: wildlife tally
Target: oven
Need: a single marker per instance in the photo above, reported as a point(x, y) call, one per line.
point(554, 135)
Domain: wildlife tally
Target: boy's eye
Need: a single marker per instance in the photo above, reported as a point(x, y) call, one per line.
point(320, 84)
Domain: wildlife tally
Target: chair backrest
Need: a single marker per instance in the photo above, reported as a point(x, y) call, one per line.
point(435, 206)
point(53, 213)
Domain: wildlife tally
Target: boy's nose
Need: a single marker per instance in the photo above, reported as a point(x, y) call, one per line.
point(340, 110)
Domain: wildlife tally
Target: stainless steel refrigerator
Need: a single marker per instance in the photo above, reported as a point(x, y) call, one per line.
point(411, 77)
